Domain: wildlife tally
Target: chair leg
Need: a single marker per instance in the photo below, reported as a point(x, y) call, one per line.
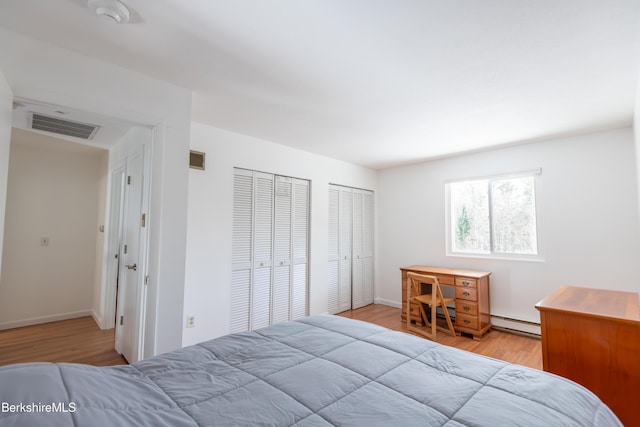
point(434, 320)
point(449, 323)
point(423, 314)
point(420, 330)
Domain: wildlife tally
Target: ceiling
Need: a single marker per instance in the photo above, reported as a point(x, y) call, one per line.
point(378, 83)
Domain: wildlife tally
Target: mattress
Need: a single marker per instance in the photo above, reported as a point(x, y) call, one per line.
point(316, 371)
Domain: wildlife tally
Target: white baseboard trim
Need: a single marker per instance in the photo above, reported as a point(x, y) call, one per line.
point(45, 319)
point(387, 302)
point(97, 319)
point(509, 324)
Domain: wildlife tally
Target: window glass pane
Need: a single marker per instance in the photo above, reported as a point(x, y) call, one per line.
point(470, 216)
point(514, 215)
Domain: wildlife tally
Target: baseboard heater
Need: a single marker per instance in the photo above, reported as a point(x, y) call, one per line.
point(502, 323)
point(515, 325)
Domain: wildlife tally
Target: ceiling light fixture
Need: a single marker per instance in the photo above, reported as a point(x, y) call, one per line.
point(111, 9)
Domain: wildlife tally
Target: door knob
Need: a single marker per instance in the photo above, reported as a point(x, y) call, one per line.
point(133, 267)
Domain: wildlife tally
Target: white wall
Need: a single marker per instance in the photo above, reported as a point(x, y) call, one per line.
point(636, 131)
point(208, 278)
point(42, 72)
point(99, 270)
point(53, 192)
point(590, 219)
point(6, 110)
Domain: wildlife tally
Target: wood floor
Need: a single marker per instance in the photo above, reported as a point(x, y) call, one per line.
point(72, 341)
point(81, 341)
point(505, 346)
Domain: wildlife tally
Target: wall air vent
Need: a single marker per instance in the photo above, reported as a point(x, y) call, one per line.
point(196, 160)
point(39, 121)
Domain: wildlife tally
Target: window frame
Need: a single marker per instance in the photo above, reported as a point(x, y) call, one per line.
point(537, 182)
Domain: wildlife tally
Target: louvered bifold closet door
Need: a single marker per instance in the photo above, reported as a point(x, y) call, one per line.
point(263, 251)
point(357, 285)
point(345, 243)
point(282, 250)
point(351, 248)
point(270, 249)
point(368, 231)
point(242, 250)
point(333, 279)
point(340, 248)
point(300, 249)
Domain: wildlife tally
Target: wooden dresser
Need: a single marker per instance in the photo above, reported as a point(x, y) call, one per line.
point(592, 336)
point(473, 314)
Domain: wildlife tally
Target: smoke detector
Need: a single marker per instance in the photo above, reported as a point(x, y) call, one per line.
point(113, 10)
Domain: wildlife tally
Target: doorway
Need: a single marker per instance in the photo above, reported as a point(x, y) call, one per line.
point(98, 298)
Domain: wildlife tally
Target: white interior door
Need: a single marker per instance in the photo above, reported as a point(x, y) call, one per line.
point(131, 282)
point(340, 248)
point(368, 232)
point(346, 246)
point(263, 251)
point(6, 114)
point(362, 248)
point(333, 279)
point(351, 250)
point(241, 253)
point(357, 280)
point(269, 281)
point(300, 249)
point(282, 232)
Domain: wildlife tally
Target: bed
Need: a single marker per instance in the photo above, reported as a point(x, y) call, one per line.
point(316, 371)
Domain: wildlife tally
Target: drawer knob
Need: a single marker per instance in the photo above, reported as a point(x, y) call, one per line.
point(465, 283)
point(466, 308)
point(466, 294)
point(467, 321)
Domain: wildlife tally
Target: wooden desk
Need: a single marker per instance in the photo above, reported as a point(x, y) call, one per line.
point(592, 336)
point(473, 314)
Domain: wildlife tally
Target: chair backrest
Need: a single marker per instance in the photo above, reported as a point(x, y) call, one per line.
point(415, 280)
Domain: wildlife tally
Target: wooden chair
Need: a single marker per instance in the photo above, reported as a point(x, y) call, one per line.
point(434, 299)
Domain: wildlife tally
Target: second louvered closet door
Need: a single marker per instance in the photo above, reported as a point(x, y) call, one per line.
point(351, 229)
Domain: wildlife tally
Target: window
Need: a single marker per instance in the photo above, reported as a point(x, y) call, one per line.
point(494, 217)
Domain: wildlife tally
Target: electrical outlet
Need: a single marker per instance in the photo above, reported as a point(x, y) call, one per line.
point(191, 321)
point(44, 241)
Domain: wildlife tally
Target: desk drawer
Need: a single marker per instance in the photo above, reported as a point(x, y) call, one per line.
point(414, 310)
point(466, 283)
point(469, 308)
point(468, 294)
point(445, 280)
point(466, 321)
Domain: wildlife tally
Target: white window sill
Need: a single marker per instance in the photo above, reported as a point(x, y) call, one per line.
point(500, 257)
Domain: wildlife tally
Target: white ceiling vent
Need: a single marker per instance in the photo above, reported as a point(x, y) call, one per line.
point(39, 121)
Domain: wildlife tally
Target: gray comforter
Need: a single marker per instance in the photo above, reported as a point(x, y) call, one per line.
point(316, 371)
